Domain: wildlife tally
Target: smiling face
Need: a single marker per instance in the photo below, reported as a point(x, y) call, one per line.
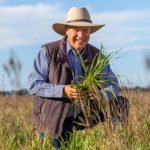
point(78, 37)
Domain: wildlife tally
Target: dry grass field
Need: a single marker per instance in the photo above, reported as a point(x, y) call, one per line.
point(16, 131)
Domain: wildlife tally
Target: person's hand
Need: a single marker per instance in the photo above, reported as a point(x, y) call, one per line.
point(75, 94)
point(71, 93)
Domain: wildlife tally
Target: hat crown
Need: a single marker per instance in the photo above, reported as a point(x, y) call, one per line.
point(78, 14)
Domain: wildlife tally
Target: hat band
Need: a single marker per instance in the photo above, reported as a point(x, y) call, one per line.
point(78, 20)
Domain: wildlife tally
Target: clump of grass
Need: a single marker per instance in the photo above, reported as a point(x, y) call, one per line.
point(90, 84)
point(92, 77)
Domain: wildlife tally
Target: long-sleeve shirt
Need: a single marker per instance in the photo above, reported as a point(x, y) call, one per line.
point(37, 78)
point(39, 75)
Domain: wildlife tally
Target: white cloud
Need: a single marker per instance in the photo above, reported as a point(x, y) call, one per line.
point(26, 24)
point(122, 17)
point(124, 28)
point(31, 24)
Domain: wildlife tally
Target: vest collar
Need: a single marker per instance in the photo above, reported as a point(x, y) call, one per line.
point(63, 59)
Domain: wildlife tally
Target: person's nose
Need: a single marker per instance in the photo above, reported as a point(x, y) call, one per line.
point(80, 33)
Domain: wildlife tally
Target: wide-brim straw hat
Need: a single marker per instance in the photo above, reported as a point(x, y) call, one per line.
point(79, 17)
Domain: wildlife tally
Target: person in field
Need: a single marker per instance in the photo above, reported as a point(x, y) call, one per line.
point(56, 109)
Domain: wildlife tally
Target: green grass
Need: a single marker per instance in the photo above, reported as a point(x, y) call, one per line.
point(92, 78)
point(17, 132)
point(17, 136)
point(91, 82)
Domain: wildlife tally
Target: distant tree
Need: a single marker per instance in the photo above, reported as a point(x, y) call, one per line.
point(147, 61)
point(13, 68)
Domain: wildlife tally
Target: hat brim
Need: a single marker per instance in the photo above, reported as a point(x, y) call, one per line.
point(60, 28)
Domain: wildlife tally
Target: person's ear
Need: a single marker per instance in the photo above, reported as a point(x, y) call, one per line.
point(66, 30)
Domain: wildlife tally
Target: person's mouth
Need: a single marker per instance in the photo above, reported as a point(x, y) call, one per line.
point(80, 41)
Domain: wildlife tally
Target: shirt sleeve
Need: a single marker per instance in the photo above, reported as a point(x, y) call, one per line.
point(37, 80)
point(110, 86)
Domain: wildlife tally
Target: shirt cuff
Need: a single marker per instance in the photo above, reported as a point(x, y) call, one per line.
point(59, 91)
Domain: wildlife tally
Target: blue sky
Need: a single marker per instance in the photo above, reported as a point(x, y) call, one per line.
point(26, 25)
